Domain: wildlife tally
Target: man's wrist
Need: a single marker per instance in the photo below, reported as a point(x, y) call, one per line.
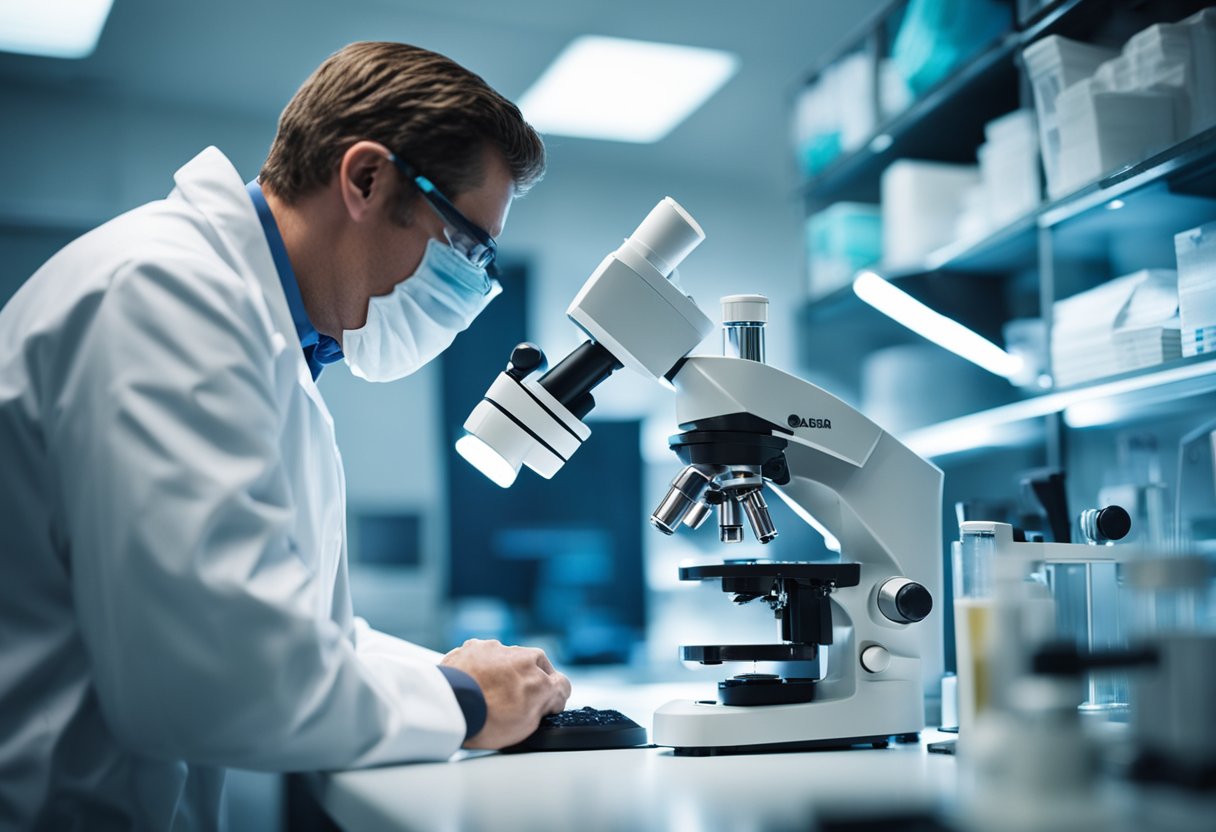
point(469, 697)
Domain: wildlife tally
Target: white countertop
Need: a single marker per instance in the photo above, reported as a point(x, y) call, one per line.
point(635, 789)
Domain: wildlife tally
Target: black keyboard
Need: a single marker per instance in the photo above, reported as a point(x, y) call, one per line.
point(583, 729)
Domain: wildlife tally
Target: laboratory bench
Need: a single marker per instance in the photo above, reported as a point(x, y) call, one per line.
point(901, 787)
point(636, 789)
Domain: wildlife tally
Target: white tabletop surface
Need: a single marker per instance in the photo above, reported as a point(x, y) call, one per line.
point(635, 789)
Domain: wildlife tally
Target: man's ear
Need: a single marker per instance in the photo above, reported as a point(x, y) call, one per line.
point(363, 178)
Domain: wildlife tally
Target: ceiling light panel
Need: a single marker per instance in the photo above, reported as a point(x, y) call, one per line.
point(624, 90)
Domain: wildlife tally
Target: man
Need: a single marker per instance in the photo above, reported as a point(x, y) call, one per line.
point(172, 503)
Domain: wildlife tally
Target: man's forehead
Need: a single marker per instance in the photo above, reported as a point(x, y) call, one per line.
point(488, 204)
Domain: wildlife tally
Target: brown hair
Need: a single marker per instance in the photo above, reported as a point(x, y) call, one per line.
point(430, 111)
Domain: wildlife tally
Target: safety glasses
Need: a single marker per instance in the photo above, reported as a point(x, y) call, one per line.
point(465, 236)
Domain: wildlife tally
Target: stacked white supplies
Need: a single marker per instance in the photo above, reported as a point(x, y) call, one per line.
point(1009, 167)
point(921, 206)
point(1101, 130)
point(1095, 118)
point(1196, 251)
point(1181, 58)
point(1054, 64)
point(1128, 323)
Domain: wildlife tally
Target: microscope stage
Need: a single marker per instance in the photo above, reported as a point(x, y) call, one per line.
point(718, 653)
point(834, 574)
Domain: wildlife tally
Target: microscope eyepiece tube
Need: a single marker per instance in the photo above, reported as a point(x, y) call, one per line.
point(685, 492)
point(743, 320)
point(744, 340)
point(758, 516)
point(578, 373)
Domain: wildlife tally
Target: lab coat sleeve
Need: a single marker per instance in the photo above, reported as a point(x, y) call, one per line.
point(207, 631)
point(370, 641)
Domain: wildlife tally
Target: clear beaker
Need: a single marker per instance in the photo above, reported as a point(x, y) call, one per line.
point(1086, 595)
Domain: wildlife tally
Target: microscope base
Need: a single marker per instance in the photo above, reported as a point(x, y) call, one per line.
point(872, 714)
point(787, 747)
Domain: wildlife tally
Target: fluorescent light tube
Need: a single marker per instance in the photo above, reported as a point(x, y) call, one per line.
point(52, 28)
point(624, 90)
point(945, 332)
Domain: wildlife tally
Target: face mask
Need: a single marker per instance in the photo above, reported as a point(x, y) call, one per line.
point(421, 316)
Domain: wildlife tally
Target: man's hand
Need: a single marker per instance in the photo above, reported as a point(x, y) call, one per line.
point(519, 684)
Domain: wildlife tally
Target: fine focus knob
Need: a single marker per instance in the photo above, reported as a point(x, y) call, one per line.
point(904, 601)
point(875, 659)
point(526, 358)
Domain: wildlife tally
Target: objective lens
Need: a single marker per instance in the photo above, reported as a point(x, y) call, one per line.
point(730, 529)
point(684, 493)
point(696, 516)
point(758, 516)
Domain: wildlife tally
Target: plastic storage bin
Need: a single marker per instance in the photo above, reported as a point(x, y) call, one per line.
point(840, 240)
point(1009, 167)
point(936, 36)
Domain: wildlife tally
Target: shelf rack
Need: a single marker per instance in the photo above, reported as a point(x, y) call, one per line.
point(1178, 181)
point(1184, 168)
point(1120, 397)
point(983, 88)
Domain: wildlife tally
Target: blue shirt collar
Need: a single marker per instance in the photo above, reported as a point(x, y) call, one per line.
point(319, 349)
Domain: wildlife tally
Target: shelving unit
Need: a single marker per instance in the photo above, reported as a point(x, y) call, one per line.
point(1186, 169)
point(1121, 398)
point(980, 87)
point(1102, 21)
point(1123, 222)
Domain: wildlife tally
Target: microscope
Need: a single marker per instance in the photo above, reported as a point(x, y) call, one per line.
point(865, 621)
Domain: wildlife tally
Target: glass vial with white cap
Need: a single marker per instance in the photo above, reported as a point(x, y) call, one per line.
point(743, 320)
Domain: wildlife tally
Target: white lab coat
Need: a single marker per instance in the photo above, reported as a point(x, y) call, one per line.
point(173, 578)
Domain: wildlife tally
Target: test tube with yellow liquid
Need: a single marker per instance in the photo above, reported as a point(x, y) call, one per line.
point(973, 608)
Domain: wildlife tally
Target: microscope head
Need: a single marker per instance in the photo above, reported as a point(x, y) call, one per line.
point(634, 316)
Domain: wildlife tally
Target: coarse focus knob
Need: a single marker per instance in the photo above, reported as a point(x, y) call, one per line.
point(875, 658)
point(904, 601)
point(1103, 525)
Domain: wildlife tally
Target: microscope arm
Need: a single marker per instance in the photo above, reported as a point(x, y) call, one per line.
point(844, 475)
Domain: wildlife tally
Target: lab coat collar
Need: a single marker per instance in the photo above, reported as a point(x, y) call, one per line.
point(319, 349)
point(211, 184)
